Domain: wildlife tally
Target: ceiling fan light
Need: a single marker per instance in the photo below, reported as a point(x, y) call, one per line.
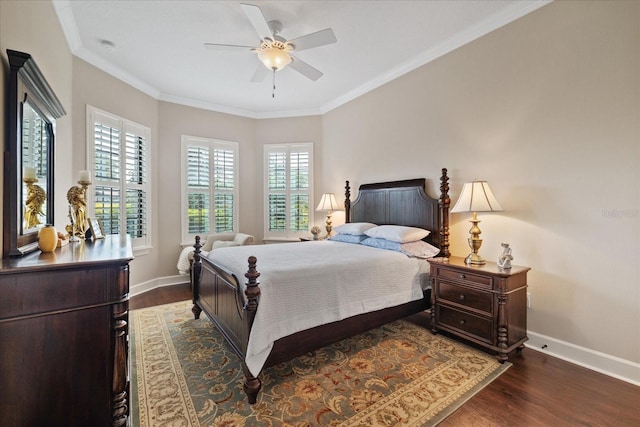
point(273, 57)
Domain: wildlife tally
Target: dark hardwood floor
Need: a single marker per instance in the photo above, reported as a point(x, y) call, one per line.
point(538, 390)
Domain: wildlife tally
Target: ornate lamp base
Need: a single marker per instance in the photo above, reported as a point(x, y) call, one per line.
point(474, 243)
point(474, 259)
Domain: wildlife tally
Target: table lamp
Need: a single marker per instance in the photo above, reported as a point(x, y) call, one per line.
point(476, 197)
point(328, 203)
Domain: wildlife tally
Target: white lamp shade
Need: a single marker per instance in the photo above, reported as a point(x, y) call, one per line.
point(328, 203)
point(476, 196)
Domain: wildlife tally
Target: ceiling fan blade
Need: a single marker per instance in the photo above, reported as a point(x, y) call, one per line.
point(319, 38)
point(218, 46)
point(260, 73)
point(305, 69)
point(257, 20)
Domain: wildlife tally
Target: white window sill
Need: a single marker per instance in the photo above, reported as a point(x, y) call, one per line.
point(142, 250)
point(280, 240)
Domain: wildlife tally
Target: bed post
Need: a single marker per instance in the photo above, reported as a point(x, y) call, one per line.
point(252, 384)
point(347, 202)
point(195, 270)
point(444, 203)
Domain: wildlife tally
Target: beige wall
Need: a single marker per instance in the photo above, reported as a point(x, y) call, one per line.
point(42, 37)
point(290, 130)
point(546, 109)
point(98, 89)
point(177, 120)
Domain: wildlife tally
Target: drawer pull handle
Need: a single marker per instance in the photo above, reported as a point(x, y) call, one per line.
point(461, 297)
point(462, 276)
point(462, 321)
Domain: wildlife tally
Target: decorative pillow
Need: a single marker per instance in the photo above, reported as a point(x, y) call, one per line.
point(224, 244)
point(355, 228)
point(417, 249)
point(397, 233)
point(348, 238)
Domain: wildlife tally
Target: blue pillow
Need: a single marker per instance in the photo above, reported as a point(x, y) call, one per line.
point(418, 249)
point(348, 238)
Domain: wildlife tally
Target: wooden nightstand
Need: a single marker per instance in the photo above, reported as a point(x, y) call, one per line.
point(483, 304)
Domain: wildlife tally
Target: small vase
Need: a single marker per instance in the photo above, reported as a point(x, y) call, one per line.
point(48, 238)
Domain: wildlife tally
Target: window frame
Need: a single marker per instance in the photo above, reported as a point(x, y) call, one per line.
point(141, 245)
point(288, 148)
point(211, 144)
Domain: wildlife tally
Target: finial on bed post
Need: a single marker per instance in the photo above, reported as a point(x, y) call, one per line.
point(444, 203)
point(196, 268)
point(252, 384)
point(347, 202)
point(253, 291)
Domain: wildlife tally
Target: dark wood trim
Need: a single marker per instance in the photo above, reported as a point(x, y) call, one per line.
point(64, 321)
point(25, 83)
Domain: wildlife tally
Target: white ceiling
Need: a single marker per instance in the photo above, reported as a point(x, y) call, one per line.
point(159, 46)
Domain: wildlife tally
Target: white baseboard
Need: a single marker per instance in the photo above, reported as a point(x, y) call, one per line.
point(607, 364)
point(159, 282)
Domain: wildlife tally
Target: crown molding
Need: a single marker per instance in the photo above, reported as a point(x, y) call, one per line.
point(196, 103)
point(512, 13)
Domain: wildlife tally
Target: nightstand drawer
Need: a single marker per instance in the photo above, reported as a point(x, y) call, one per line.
point(467, 323)
point(471, 279)
point(468, 297)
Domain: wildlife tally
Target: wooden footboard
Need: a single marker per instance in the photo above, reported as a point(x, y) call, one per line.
point(218, 293)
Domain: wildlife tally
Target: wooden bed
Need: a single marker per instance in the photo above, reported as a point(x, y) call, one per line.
point(219, 293)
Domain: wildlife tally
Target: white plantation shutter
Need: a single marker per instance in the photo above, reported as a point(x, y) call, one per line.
point(299, 190)
point(34, 154)
point(277, 191)
point(106, 146)
point(288, 190)
point(198, 189)
point(34, 138)
point(224, 178)
point(210, 186)
point(119, 157)
point(136, 183)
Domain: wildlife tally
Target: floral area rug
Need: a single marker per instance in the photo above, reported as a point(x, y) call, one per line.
point(183, 373)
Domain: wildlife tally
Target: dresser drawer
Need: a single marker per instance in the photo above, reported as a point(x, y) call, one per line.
point(478, 327)
point(470, 279)
point(468, 297)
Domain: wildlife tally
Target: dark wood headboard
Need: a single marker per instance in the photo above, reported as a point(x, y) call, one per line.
point(403, 203)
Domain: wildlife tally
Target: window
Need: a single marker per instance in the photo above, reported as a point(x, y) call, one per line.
point(210, 187)
point(288, 190)
point(118, 153)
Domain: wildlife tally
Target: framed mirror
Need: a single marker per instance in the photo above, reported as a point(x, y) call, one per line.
point(29, 155)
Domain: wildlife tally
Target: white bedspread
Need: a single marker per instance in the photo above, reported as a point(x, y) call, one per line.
point(304, 285)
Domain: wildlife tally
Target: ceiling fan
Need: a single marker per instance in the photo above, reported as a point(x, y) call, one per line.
point(274, 51)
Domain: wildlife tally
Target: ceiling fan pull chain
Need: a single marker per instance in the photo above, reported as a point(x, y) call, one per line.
point(273, 93)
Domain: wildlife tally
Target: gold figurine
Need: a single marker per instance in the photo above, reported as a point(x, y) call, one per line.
point(36, 197)
point(78, 208)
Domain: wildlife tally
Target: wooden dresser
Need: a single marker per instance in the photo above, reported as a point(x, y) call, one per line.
point(64, 336)
point(480, 303)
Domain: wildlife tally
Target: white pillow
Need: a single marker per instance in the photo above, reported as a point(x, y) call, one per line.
point(417, 249)
point(397, 233)
point(224, 244)
point(355, 228)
